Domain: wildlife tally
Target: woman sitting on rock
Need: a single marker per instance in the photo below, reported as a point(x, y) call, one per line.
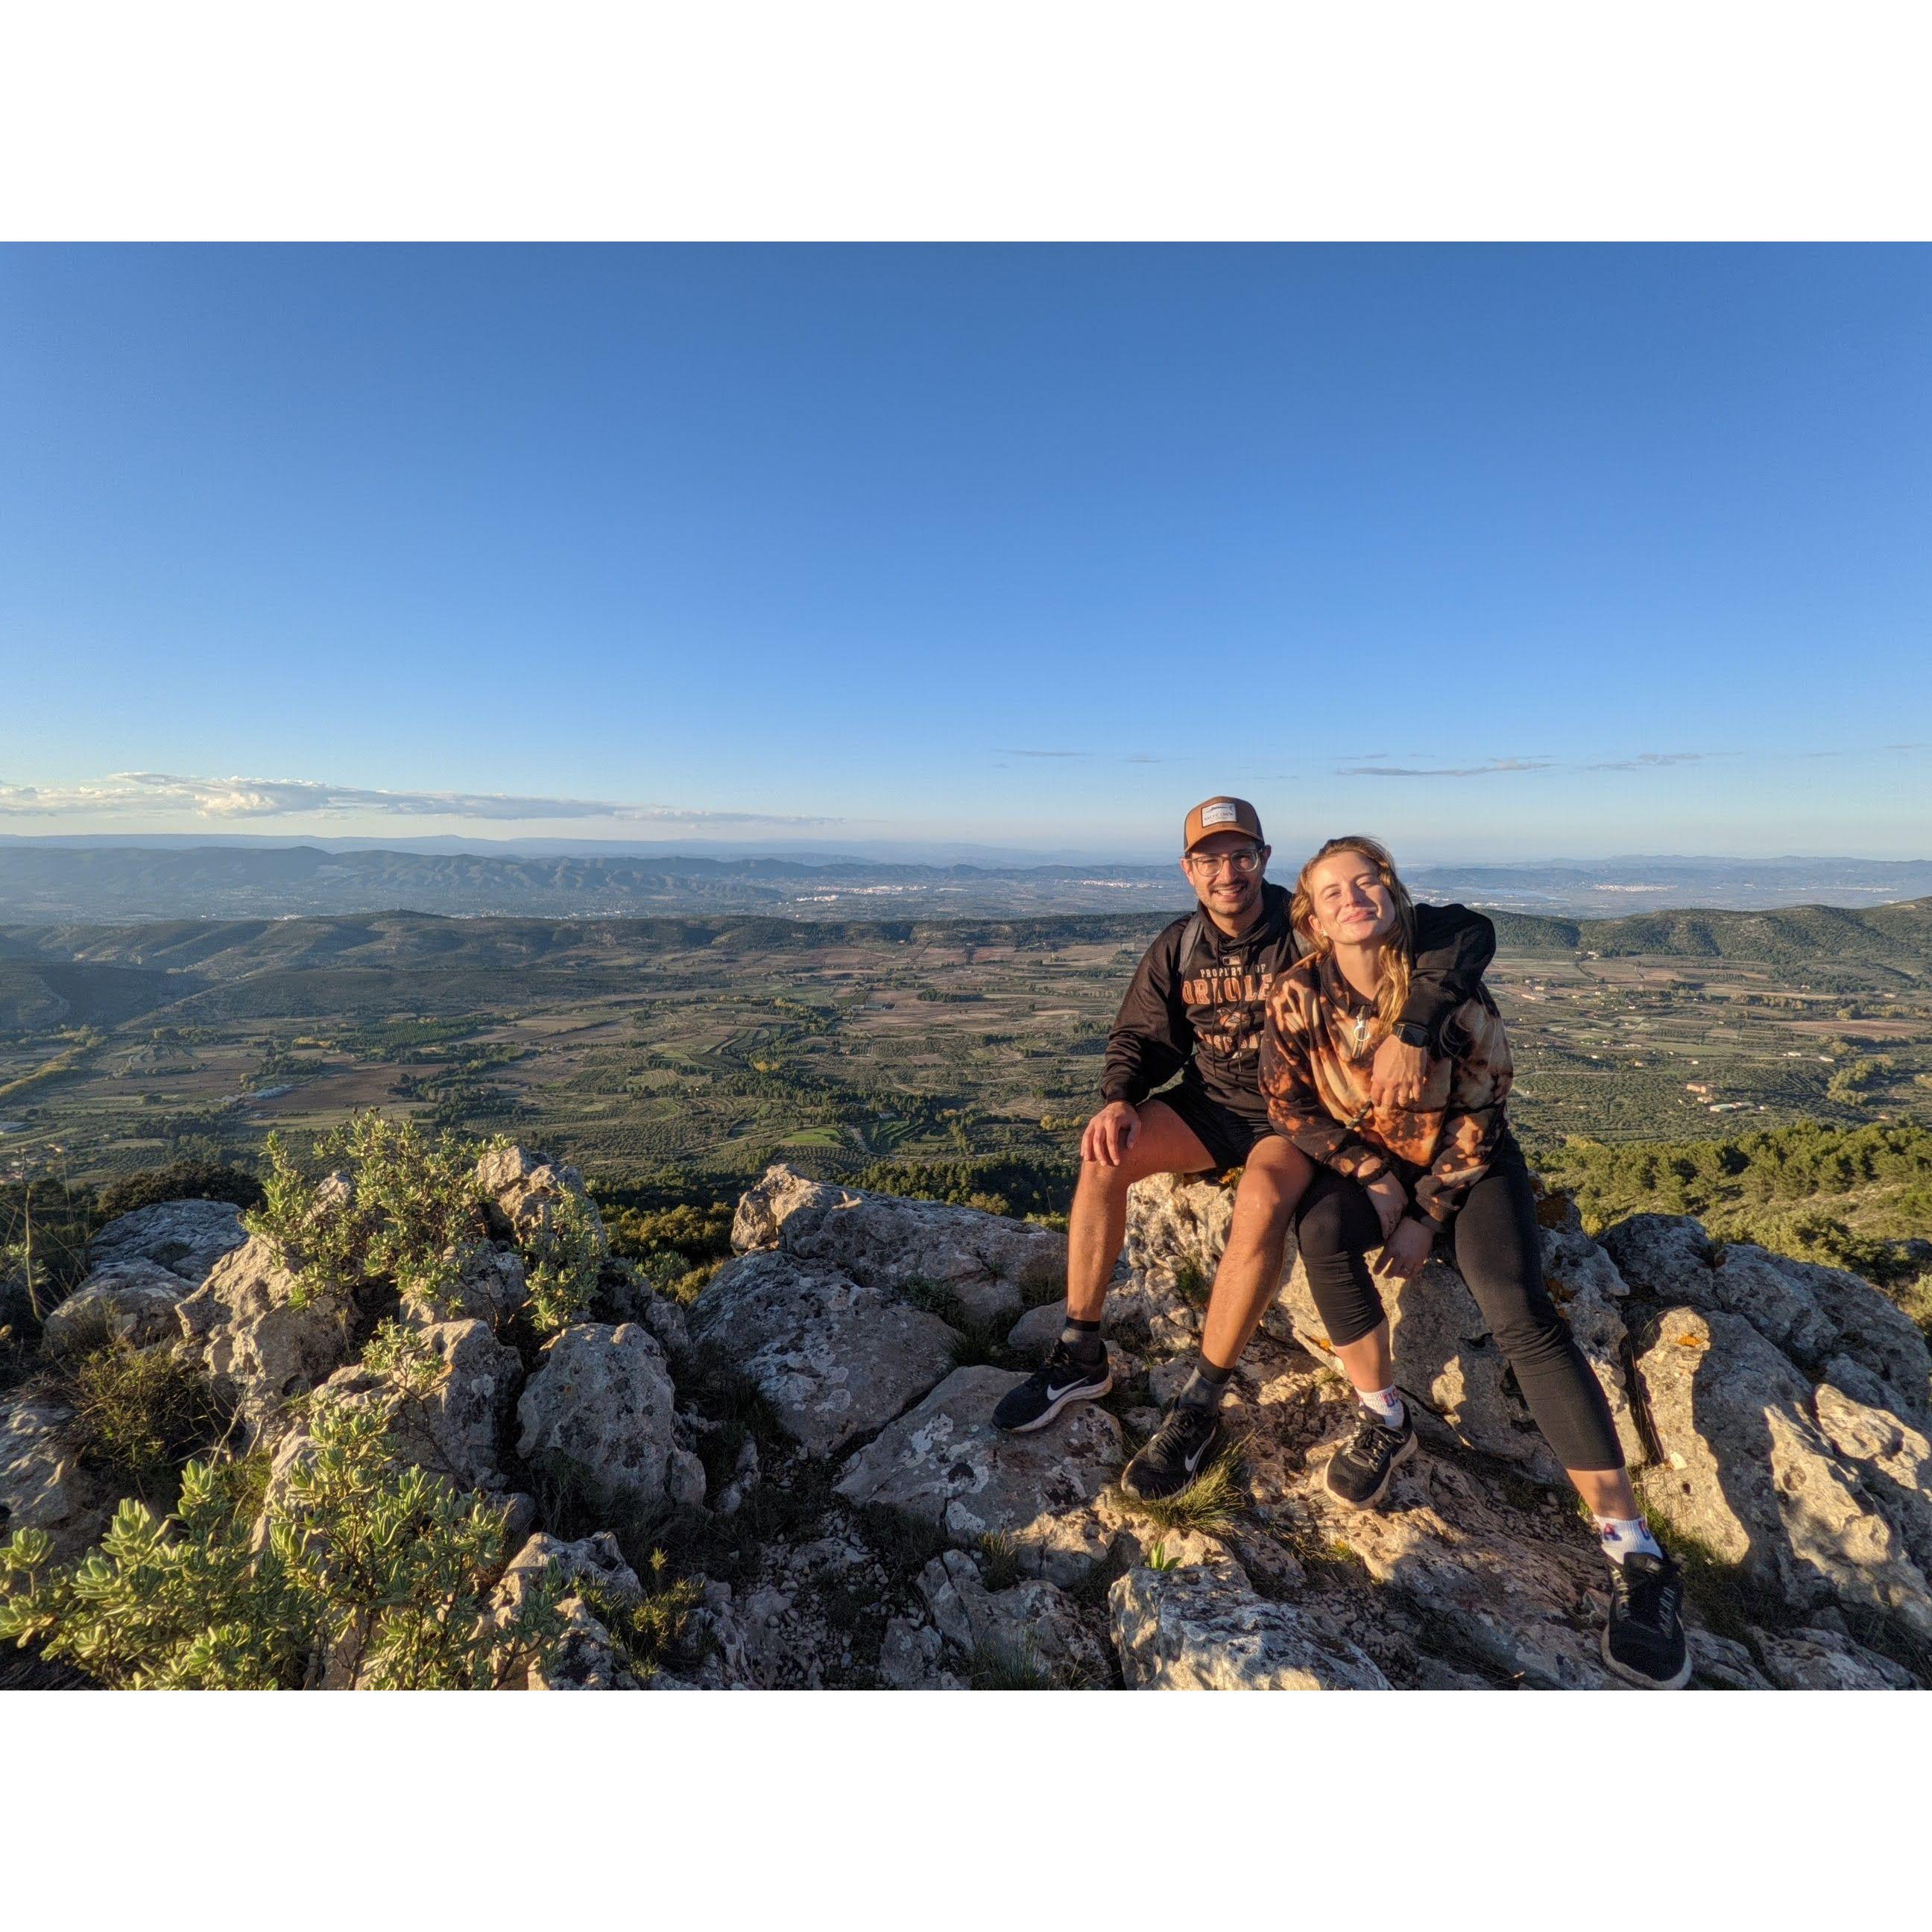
point(1446, 1166)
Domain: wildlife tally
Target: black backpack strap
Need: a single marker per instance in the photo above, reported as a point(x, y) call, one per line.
point(1191, 936)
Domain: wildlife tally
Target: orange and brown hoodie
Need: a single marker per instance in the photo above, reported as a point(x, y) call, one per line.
point(1318, 1050)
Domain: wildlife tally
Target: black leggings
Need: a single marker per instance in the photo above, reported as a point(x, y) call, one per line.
point(1499, 1253)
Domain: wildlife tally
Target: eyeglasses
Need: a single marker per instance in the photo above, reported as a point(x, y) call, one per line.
point(1246, 862)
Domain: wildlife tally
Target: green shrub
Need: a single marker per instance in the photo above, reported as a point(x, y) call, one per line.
point(378, 1568)
point(139, 1414)
point(564, 1257)
point(415, 1207)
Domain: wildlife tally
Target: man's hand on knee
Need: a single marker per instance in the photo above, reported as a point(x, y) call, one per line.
point(1110, 1133)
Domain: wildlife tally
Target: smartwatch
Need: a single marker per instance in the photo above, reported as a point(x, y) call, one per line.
point(1411, 1034)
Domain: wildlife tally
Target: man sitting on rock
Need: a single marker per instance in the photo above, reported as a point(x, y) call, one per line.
point(1195, 1008)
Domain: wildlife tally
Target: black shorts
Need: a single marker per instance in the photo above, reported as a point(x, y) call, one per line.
point(1228, 1137)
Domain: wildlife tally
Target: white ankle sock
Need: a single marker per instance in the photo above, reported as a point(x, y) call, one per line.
point(1620, 1535)
point(1384, 1405)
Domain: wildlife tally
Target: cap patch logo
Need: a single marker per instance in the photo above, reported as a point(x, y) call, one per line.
point(1219, 815)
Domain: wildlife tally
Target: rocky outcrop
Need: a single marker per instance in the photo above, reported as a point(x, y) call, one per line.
point(447, 1407)
point(588, 1658)
point(1030, 1628)
point(945, 1463)
point(1193, 1628)
point(132, 1301)
point(141, 1264)
point(600, 1413)
point(1753, 1477)
point(261, 1336)
point(42, 1485)
point(990, 1265)
point(1809, 1313)
point(523, 1192)
point(186, 1238)
point(836, 1359)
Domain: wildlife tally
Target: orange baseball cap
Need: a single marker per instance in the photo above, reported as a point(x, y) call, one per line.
point(1220, 814)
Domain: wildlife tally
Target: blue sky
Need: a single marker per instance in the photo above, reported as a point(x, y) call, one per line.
point(1496, 551)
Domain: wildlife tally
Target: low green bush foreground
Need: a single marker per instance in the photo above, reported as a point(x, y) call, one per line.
point(358, 1569)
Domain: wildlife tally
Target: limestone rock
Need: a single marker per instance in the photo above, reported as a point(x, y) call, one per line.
point(913, 1658)
point(836, 1359)
point(259, 1339)
point(1176, 1230)
point(587, 1659)
point(42, 1484)
point(490, 1287)
point(524, 1190)
point(133, 1301)
point(602, 1404)
point(944, 1462)
point(1189, 1629)
point(1752, 1475)
point(1811, 1313)
point(1031, 1626)
point(1821, 1660)
point(1035, 1332)
point(781, 1193)
point(186, 1238)
point(1893, 1462)
point(452, 1425)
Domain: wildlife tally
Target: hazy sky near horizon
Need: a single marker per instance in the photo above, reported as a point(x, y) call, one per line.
point(1496, 551)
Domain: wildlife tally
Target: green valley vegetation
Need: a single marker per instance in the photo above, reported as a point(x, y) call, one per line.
point(1856, 1198)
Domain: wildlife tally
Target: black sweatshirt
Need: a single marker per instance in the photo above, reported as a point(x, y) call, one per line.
point(1205, 1015)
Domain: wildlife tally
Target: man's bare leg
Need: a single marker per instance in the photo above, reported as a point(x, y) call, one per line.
point(1098, 1225)
point(1250, 1272)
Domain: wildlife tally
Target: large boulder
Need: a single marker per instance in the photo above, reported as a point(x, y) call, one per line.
point(945, 1462)
point(989, 1264)
point(836, 1359)
point(1752, 1476)
point(1191, 1628)
point(133, 1301)
point(1811, 1313)
point(447, 1403)
point(261, 1337)
point(186, 1238)
point(601, 1409)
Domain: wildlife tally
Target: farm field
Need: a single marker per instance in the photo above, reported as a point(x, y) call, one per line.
point(712, 1046)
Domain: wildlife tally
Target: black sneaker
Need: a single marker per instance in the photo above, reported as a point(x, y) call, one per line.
point(1643, 1642)
point(1361, 1470)
point(1059, 1380)
point(1182, 1446)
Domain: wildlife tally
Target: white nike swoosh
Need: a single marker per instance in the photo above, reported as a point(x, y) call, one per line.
point(1191, 1463)
point(1054, 1394)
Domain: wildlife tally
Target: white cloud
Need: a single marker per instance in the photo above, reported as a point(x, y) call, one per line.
point(146, 794)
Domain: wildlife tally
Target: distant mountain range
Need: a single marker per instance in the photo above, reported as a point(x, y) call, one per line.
point(83, 879)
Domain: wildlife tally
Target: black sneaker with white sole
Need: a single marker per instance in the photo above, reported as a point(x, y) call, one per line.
point(1643, 1641)
point(1181, 1448)
point(1361, 1470)
point(1059, 1380)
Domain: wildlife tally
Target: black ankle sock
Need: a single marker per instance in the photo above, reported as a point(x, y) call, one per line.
point(1204, 1388)
point(1083, 1340)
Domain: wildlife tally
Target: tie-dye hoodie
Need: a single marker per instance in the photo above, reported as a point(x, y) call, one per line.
point(1318, 1051)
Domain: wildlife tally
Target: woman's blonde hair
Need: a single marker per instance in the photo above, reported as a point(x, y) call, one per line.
point(1398, 949)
